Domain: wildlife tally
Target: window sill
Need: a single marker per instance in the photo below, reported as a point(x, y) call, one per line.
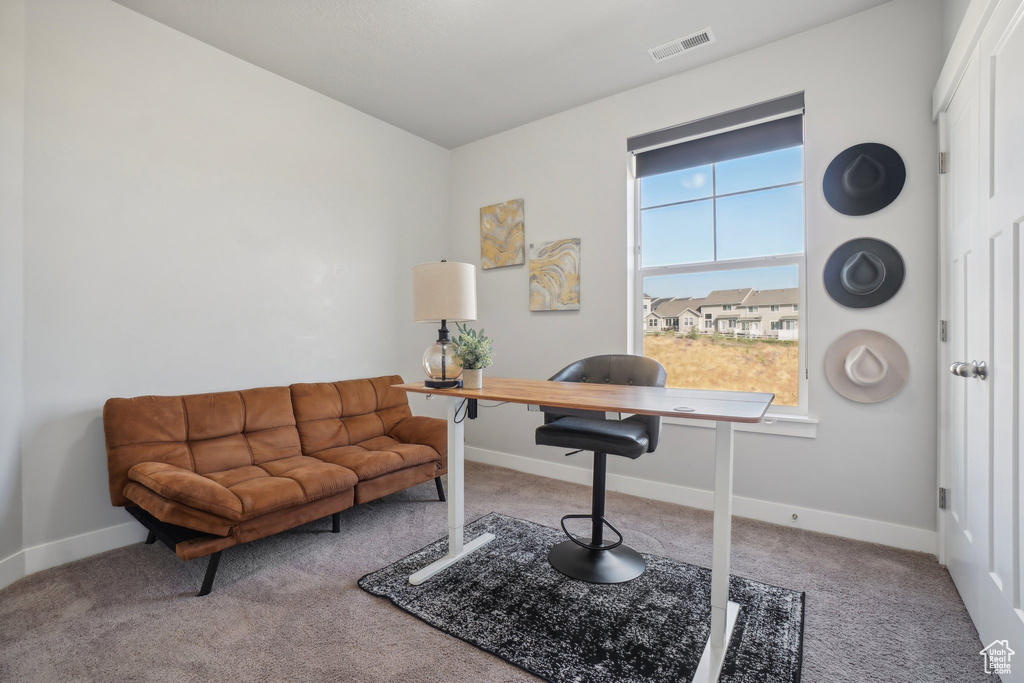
point(781, 425)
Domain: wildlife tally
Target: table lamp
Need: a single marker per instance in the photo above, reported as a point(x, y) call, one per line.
point(441, 292)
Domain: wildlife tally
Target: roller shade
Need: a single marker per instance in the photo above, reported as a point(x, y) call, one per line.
point(779, 133)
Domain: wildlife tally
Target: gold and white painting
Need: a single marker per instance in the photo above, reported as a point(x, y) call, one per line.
point(555, 275)
point(501, 235)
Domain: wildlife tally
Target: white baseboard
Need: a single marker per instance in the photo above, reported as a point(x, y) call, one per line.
point(46, 555)
point(847, 526)
point(12, 568)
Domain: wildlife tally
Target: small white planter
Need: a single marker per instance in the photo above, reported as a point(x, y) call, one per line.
point(472, 379)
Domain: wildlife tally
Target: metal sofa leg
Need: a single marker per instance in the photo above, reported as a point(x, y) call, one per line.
point(440, 489)
point(336, 523)
point(211, 571)
point(151, 539)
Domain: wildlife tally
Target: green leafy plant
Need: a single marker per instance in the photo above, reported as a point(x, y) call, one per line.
point(472, 348)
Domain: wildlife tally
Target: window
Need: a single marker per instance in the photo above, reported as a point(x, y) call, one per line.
point(720, 220)
point(652, 322)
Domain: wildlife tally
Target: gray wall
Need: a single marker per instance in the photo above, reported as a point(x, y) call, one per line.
point(12, 124)
point(869, 461)
point(194, 223)
point(952, 14)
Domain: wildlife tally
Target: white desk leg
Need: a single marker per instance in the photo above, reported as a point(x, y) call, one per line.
point(723, 612)
point(456, 501)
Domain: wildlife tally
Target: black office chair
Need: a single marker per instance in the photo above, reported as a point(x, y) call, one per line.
point(590, 559)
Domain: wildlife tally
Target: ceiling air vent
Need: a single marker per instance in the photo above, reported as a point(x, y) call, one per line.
point(680, 45)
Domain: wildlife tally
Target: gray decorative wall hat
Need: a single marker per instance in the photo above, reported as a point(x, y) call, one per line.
point(866, 366)
point(864, 272)
point(864, 178)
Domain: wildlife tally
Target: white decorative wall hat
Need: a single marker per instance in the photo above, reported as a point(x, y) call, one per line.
point(866, 366)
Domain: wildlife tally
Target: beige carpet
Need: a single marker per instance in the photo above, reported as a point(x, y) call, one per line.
point(288, 608)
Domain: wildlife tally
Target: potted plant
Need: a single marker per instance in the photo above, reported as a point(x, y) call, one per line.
point(474, 351)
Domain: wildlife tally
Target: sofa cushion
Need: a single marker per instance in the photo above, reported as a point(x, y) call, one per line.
point(246, 492)
point(379, 456)
point(202, 433)
point(336, 414)
point(173, 512)
point(430, 431)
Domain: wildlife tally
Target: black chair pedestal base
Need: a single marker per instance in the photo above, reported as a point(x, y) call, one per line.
point(615, 565)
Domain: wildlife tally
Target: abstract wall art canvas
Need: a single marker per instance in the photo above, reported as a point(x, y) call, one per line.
point(501, 235)
point(555, 276)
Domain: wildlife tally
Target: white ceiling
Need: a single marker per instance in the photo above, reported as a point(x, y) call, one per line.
point(455, 71)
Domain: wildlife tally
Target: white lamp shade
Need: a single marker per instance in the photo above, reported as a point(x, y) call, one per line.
point(444, 291)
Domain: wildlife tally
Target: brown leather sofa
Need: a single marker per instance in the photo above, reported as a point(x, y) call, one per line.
point(209, 471)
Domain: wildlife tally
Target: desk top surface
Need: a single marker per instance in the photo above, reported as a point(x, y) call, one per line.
point(722, 406)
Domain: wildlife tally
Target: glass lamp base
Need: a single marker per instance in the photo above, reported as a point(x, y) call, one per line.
point(441, 366)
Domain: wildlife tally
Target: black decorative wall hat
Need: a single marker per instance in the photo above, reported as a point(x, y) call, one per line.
point(864, 272)
point(864, 178)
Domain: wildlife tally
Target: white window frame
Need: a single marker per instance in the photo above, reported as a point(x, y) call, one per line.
point(799, 260)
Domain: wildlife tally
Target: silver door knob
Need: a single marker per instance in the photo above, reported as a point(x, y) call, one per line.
point(973, 369)
point(980, 369)
point(961, 369)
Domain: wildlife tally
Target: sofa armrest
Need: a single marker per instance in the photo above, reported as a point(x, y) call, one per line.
point(429, 431)
point(188, 488)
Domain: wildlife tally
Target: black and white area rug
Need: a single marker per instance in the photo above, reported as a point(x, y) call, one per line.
point(507, 600)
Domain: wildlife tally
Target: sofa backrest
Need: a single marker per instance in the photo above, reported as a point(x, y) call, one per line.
point(333, 414)
point(202, 433)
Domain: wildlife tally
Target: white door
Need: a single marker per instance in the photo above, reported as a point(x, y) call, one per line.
point(983, 254)
point(966, 270)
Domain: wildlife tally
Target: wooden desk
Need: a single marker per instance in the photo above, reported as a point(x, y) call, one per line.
point(723, 407)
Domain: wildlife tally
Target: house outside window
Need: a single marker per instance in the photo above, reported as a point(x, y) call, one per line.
point(720, 224)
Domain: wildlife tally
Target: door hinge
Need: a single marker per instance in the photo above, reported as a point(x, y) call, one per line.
point(943, 495)
point(942, 331)
point(943, 161)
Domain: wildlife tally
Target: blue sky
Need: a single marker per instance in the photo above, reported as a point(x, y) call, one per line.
point(762, 223)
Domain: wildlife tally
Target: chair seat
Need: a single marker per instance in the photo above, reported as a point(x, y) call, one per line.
point(625, 438)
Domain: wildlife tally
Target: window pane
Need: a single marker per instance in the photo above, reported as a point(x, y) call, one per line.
point(763, 223)
point(678, 186)
point(678, 234)
point(737, 349)
point(761, 170)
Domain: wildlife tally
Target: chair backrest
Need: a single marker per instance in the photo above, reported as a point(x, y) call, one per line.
point(616, 368)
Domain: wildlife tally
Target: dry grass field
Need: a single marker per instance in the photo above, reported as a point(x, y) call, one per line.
point(728, 364)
